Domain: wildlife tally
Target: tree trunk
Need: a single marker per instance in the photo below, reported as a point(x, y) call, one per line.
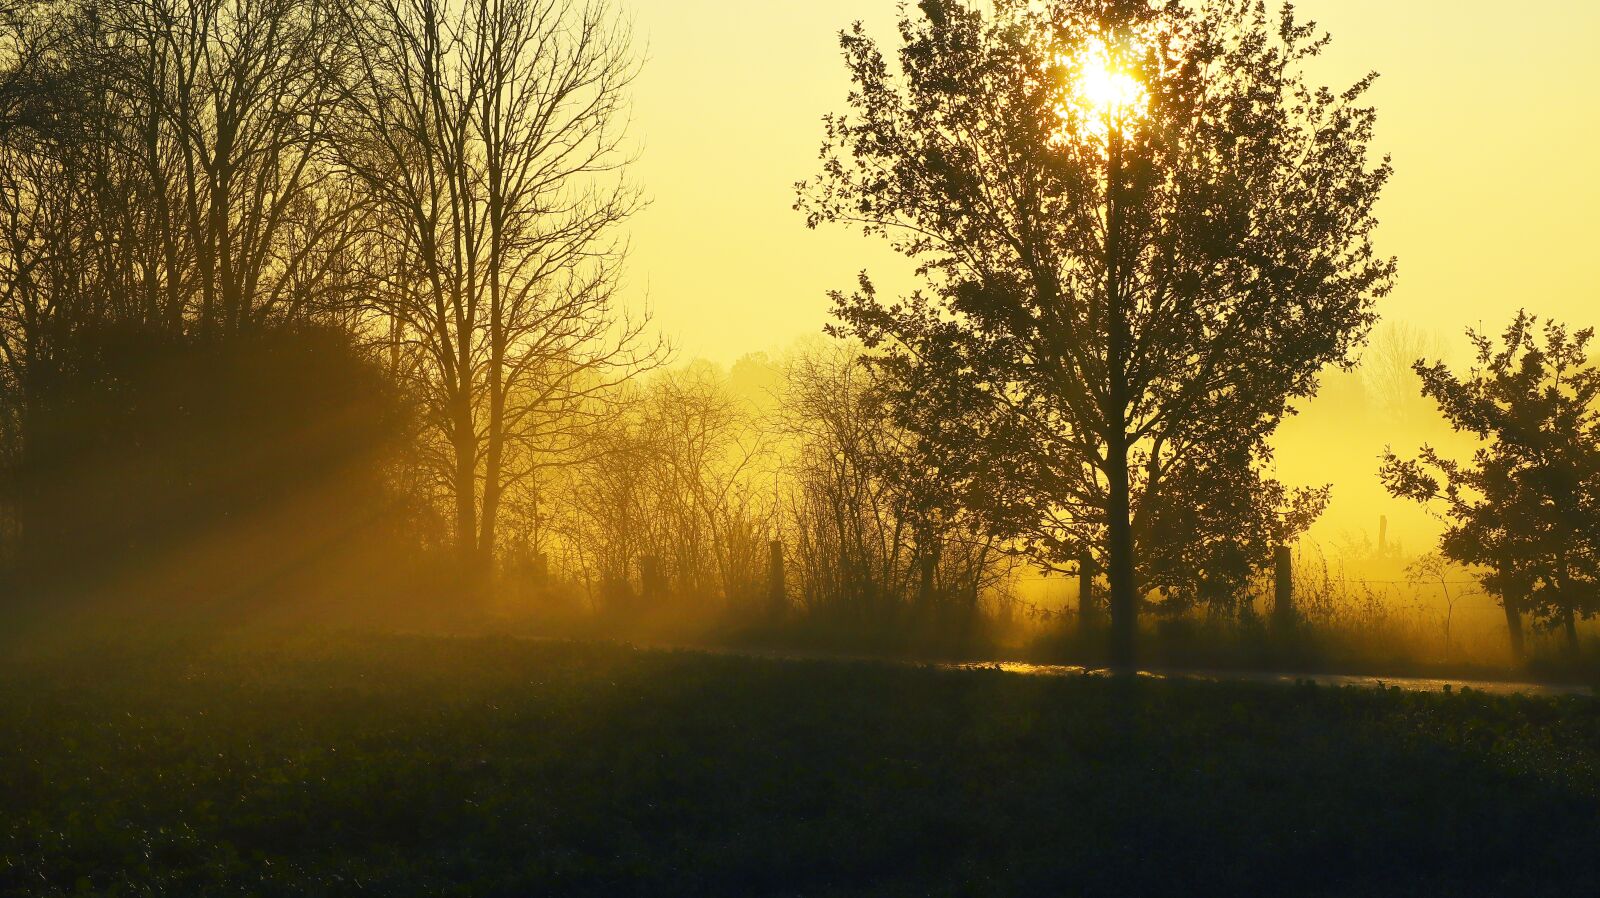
point(466, 489)
point(925, 568)
point(1569, 622)
point(493, 462)
point(1513, 606)
point(1119, 570)
point(1119, 511)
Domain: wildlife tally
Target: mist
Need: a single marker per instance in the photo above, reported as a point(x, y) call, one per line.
point(990, 447)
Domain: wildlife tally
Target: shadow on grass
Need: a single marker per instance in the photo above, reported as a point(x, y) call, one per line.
point(417, 766)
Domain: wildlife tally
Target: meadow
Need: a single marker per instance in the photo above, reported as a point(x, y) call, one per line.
point(415, 765)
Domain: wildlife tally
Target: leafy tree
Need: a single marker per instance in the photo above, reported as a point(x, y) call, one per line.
point(1141, 232)
point(1216, 528)
point(1526, 508)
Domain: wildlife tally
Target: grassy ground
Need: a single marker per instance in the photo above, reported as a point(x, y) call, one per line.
point(420, 766)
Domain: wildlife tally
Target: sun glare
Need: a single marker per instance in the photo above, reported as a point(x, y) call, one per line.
point(1105, 87)
point(1101, 92)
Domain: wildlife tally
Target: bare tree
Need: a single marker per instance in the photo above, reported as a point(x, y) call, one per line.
point(874, 529)
point(1386, 371)
point(679, 484)
point(1435, 568)
point(227, 109)
point(165, 166)
point(489, 135)
point(168, 198)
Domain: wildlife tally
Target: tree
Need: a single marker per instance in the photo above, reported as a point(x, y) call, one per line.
point(168, 208)
point(218, 117)
point(1435, 568)
point(1526, 509)
point(679, 479)
point(1215, 528)
point(1141, 233)
point(489, 137)
point(874, 530)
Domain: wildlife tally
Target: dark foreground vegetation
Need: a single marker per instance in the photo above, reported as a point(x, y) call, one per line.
point(432, 766)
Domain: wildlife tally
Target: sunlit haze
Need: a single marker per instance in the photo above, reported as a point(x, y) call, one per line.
point(799, 447)
point(1104, 86)
point(1486, 115)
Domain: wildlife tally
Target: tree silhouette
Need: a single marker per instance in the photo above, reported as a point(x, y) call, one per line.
point(1121, 286)
point(875, 531)
point(490, 140)
point(1526, 508)
point(171, 228)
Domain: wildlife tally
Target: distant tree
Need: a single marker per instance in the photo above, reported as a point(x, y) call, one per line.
point(1142, 232)
point(1525, 509)
point(874, 530)
point(1386, 372)
point(681, 479)
point(1434, 568)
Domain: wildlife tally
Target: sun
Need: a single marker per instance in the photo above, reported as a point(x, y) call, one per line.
point(1106, 87)
point(1101, 93)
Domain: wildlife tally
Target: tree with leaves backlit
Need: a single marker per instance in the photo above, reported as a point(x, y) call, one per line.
point(1526, 509)
point(1141, 233)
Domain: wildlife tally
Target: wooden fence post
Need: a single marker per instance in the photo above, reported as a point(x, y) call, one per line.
point(650, 578)
point(777, 593)
point(1283, 586)
point(1086, 609)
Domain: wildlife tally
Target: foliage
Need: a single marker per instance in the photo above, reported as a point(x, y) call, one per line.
point(1526, 509)
point(1215, 530)
point(270, 451)
point(1115, 297)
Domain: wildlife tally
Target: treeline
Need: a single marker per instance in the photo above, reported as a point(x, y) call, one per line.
point(323, 297)
point(322, 301)
point(291, 285)
point(781, 490)
point(318, 303)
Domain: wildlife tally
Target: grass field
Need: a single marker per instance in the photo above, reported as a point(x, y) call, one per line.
point(429, 766)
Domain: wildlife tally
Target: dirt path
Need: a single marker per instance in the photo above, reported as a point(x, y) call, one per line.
point(1411, 684)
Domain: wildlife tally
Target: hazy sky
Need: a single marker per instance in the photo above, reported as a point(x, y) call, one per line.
point(1488, 109)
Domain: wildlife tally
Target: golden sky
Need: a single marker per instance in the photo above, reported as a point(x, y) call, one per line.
point(1488, 109)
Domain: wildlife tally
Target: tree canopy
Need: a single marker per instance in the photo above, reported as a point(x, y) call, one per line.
point(1525, 509)
point(1123, 288)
